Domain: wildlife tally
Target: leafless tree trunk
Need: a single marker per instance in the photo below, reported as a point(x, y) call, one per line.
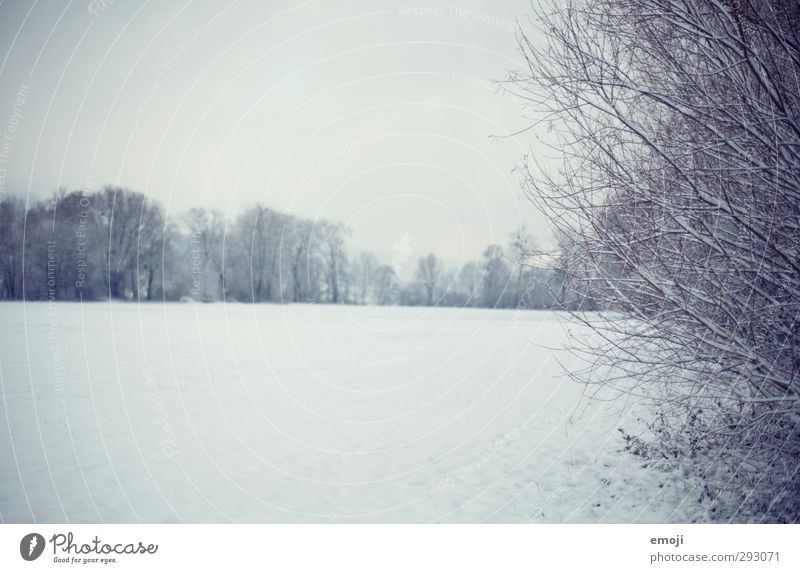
point(12, 224)
point(331, 239)
point(429, 270)
point(522, 247)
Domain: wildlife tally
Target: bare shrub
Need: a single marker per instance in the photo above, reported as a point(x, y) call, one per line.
point(678, 203)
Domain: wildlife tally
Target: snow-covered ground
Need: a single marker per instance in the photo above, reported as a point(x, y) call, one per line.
point(265, 413)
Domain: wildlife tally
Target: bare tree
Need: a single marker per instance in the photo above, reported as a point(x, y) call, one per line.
point(150, 250)
point(119, 215)
point(207, 228)
point(385, 285)
point(469, 281)
point(258, 233)
point(495, 277)
point(522, 246)
point(12, 223)
point(363, 271)
point(301, 260)
point(429, 270)
point(331, 239)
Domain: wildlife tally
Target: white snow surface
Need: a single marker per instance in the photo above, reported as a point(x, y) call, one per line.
point(115, 412)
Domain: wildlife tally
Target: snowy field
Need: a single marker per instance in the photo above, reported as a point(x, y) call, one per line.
point(303, 413)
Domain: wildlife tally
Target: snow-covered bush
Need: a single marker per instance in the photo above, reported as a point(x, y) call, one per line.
point(679, 200)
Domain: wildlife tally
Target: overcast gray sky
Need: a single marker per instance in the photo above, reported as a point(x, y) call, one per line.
point(377, 114)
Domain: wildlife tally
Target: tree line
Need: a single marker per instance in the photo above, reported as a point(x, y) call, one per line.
point(116, 243)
